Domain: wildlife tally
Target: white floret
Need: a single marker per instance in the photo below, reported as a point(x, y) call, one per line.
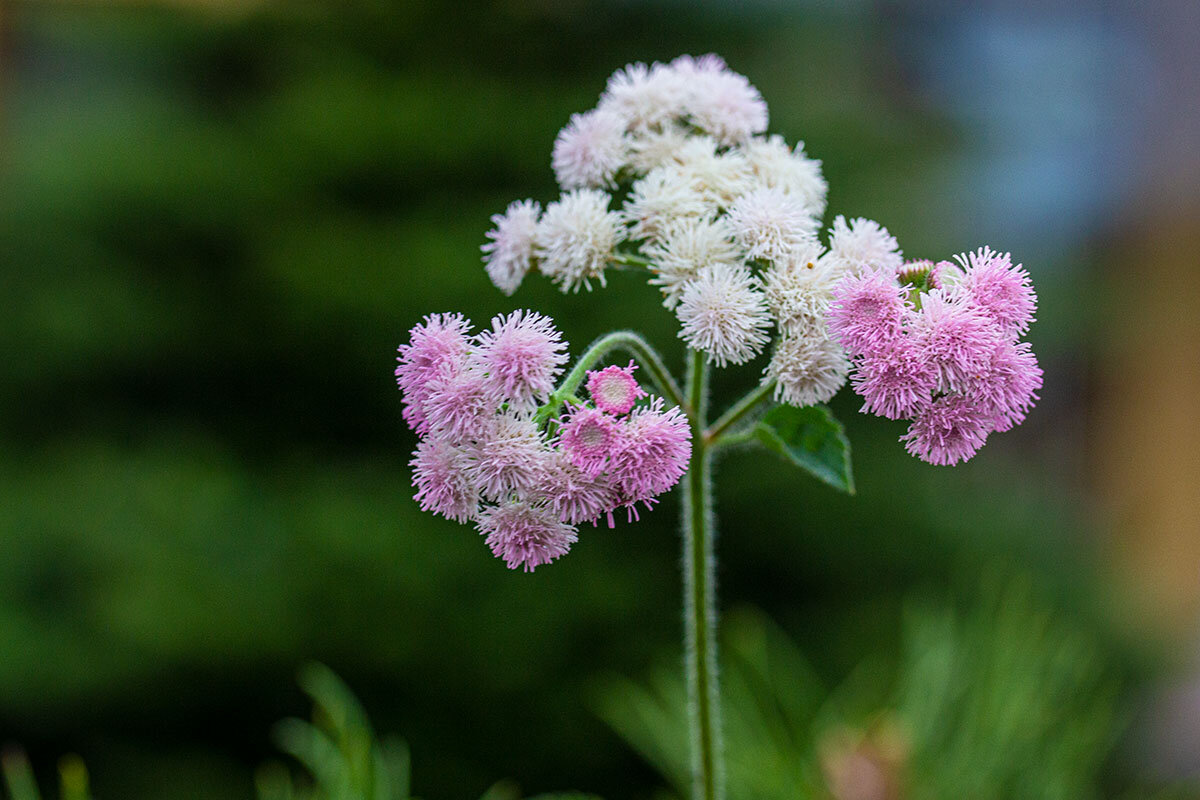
point(576, 237)
point(723, 314)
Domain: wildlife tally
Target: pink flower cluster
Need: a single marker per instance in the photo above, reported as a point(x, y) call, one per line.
point(484, 458)
point(940, 345)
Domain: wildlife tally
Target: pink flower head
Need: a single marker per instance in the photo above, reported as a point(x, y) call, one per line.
point(510, 456)
point(948, 430)
point(588, 438)
point(955, 338)
point(1008, 387)
point(653, 451)
point(525, 535)
point(614, 389)
point(1002, 290)
point(575, 497)
point(440, 341)
point(868, 312)
point(522, 355)
point(459, 404)
point(897, 383)
point(443, 484)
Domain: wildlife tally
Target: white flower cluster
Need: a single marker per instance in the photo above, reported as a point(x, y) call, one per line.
point(724, 217)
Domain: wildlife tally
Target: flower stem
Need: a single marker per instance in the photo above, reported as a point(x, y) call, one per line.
point(699, 600)
point(636, 346)
point(623, 259)
point(718, 433)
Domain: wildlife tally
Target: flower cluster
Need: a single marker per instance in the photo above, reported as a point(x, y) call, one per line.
point(486, 457)
point(940, 345)
point(724, 218)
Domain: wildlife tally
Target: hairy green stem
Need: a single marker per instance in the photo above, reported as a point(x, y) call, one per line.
point(636, 346)
point(719, 432)
point(699, 600)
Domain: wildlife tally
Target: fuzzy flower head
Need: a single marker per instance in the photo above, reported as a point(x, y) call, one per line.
point(666, 194)
point(720, 101)
point(509, 254)
point(687, 246)
point(653, 452)
point(458, 402)
point(1008, 385)
point(868, 312)
point(1002, 290)
point(897, 383)
point(957, 339)
point(614, 389)
point(573, 496)
point(525, 535)
point(576, 237)
point(778, 166)
point(723, 313)
point(588, 438)
point(770, 223)
point(509, 458)
point(645, 97)
point(438, 343)
point(863, 242)
point(521, 355)
point(799, 290)
point(807, 369)
point(650, 149)
point(719, 176)
point(590, 149)
point(948, 430)
point(443, 483)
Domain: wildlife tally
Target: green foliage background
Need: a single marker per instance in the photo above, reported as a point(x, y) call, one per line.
point(215, 227)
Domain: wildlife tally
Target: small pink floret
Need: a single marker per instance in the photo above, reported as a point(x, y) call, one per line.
point(588, 438)
point(439, 342)
point(653, 452)
point(895, 384)
point(868, 312)
point(1002, 290)
point(947, 431)
point(443, 484)
point(459, 404)
point(614, 389)
point(525, 535)
point(956, 339)
point(522, 355)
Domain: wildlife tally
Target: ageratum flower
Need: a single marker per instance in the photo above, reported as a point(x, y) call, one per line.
point(526, 482)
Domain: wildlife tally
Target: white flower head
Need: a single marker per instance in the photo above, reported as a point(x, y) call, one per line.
point(863, 242)
point(720, 176)
point(665, 194)
point(645, 96)
point(807, 369)
point(509, 254)
point(590, 149)
point(654, 148)
point(686, 246)
point(576, 237)
point(720, 101)
point(722, 313)
point(778, 166)
point(770, 223)
point(799, 290)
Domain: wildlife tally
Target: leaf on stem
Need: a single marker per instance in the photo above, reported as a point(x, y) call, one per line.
point(812, 439)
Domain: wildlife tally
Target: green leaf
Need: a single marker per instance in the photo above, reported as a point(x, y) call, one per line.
point(812, 439)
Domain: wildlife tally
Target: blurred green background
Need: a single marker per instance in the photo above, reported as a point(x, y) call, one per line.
point(217, 222)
